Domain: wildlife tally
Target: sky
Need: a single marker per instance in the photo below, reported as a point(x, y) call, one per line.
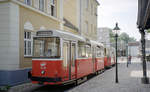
point(122, 11)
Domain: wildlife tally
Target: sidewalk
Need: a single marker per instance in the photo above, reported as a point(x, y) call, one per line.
point(22, 87)
point(129, 80)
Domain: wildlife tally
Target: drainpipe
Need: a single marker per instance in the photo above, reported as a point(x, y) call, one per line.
point(80, 17)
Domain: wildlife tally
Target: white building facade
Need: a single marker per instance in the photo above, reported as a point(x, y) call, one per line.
point(134, 49)
point(103, 36)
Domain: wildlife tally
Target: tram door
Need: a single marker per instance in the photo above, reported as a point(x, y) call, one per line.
point(73, 58)
point(69, 54)
point(66, 57)
point(93, 58)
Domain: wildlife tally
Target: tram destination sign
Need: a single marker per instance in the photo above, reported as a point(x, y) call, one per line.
point(44, 33)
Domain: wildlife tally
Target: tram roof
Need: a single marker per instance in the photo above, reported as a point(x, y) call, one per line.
point(61, 34)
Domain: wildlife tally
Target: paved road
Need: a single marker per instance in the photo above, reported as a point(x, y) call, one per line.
point(129, 81)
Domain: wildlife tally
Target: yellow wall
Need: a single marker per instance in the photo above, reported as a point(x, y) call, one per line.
point(70, 13)
point(90, 17)
point(37, 20)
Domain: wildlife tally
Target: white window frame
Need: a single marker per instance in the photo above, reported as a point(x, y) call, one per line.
point(26, 42)
point(26, 2)
point(43, 5)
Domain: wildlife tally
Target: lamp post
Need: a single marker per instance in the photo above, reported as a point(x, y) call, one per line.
point(116, 36)
point(127, 51)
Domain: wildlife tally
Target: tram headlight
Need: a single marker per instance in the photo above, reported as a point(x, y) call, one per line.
point(42, 72)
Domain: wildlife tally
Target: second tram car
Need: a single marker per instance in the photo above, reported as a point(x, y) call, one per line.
point(109, 58)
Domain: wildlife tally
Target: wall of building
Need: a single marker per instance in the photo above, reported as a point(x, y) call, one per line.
point(9, 42)
point(133, 51)
point(89, 17)
point(70, 15)
point(103, 36)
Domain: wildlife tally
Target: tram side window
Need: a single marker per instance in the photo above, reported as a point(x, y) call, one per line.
point(65, 54)
point(81, 50)
point(98, 52)
point(88, 51)
point(47, 47)
point(104, 51)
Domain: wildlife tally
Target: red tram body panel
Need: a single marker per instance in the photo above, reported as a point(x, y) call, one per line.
point(107, 61)
point(47, 69)
point(84, 67)
point(99, 64)
point(112, 61)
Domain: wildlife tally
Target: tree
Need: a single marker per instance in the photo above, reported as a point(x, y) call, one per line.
point(112, 35)
point(124, 36)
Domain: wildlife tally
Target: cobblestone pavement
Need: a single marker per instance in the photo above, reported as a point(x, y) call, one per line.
point(129, 80)
point(24, 87)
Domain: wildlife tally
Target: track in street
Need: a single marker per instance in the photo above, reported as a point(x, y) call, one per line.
point(55, 88)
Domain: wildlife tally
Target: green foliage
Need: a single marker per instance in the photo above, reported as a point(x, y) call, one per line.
point(123, 36)
point(112, 35)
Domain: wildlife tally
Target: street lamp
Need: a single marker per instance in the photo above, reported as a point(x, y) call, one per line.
point(116, 36)
point(127, 51)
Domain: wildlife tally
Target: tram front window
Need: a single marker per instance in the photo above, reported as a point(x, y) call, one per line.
point(46, 47)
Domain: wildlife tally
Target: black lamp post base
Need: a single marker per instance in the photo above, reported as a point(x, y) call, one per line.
point(145, 80)
point(117, 81)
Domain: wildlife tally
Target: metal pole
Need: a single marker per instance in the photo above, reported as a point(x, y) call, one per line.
point(127, 51)
point(144, 79)
point(116, 61)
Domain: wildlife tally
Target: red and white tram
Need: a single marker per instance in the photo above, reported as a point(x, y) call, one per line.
point(109, 57)
point(61, 57)
point(113, 56)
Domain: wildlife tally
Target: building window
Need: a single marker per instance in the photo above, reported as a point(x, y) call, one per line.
point(52, 1)
point(52, 6)
point(27, 44)
point(95, 9)
point(86, 26)
point(28, 2)
point(92, 9)
point(92, 28)
point(41, 5)
point(87, 4)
